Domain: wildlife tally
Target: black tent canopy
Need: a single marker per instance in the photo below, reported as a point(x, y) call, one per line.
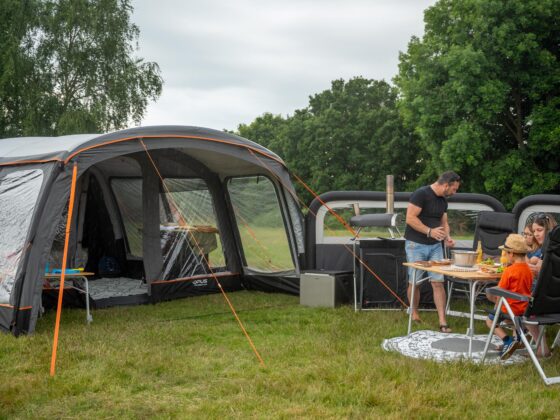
point(159, 213)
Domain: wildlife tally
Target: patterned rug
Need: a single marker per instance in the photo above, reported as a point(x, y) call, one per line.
point(443, 347)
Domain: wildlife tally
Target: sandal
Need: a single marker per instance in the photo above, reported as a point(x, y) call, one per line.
point(445, 329)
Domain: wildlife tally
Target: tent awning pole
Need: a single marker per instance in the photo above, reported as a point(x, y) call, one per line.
point(64, 261)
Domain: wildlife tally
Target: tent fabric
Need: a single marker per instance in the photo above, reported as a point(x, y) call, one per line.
point(153, 260)
point(18, 195)
point(152, 155)
point(13, 150)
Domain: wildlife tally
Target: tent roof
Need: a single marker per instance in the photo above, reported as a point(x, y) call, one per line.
point(19, 149)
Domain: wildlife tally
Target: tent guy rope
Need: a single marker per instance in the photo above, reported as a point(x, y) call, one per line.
point(182, 222)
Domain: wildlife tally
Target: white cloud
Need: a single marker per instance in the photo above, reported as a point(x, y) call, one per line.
point(225, 63)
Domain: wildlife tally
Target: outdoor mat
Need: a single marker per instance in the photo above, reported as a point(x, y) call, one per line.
point(442, 347)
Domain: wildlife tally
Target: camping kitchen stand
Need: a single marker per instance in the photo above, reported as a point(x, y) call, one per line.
point(385, 220)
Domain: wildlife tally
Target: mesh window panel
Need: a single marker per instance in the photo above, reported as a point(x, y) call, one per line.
point(19, 191)
point(190, 246)
point(128, 193)
point(261, 227)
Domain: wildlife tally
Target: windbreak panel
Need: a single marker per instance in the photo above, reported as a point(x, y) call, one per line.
point(260, 223)
point(19, 191)
point(128, 194)
point(190, 246)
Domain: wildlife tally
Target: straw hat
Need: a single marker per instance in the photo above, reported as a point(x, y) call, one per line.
point(515, 243)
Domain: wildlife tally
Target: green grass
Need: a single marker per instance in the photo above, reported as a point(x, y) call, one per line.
point(188, 358)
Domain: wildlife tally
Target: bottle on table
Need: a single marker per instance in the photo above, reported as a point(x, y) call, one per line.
point(479, 253)
point(503, 259)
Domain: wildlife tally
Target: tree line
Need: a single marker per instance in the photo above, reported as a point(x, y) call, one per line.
point(478, 93)
point(68, 66)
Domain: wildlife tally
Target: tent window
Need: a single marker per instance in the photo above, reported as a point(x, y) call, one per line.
point(128, 194)
point(297, 222)
point(261, 226)
point(188, 247)
point(19, 191)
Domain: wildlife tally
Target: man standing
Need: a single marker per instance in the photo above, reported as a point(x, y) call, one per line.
point(426, 229)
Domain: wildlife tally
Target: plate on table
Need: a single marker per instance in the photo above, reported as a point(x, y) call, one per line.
point(424, 263)
point(441, 262)
point(492, 269)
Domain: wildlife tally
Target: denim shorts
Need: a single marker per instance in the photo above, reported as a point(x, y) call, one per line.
point(422, 252)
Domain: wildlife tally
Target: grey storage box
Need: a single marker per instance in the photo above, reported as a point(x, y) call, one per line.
point(326, 288)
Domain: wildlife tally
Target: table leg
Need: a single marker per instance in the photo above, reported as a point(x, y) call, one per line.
point(470, 331)
point(449, 293)
point(355, 266)
point(411, 303)
point(89, 318)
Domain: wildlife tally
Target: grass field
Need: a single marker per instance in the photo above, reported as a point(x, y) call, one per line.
point(188, 358)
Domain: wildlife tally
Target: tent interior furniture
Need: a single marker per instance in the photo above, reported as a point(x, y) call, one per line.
point(543, 306)
point(492, 229)
point(52, 282)
point(158, 213)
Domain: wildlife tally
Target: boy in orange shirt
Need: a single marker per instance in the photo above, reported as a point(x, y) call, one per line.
point(517, 278)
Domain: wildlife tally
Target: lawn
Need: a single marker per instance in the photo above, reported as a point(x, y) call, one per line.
point(188, 358)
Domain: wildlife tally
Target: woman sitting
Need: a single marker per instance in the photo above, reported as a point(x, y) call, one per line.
point(543, 223)
point(535, 251)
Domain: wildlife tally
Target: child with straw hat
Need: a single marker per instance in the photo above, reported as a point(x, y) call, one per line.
point(517, 278)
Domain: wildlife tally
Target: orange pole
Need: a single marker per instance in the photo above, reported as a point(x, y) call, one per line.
point(64, 260)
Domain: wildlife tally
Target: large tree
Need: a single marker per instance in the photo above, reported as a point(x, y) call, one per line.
point(481, 89)
point(348, 138)
point(68, 66)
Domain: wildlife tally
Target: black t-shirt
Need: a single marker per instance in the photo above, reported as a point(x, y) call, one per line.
point(433, 208)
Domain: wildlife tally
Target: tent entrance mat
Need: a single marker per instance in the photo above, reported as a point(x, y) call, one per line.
point(441, 347)
point(115, 291)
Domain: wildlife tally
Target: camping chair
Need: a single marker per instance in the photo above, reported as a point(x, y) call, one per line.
point(544, 304)
point(492, 229)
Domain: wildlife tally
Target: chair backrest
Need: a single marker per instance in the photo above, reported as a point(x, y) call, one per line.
point(492, 229)
point(546, 296)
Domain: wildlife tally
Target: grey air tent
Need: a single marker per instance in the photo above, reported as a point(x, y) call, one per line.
point(157, 213)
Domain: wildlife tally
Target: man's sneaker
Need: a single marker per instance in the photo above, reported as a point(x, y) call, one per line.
point(509, 348)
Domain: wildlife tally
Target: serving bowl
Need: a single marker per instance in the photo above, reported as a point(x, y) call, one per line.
point(464, 258)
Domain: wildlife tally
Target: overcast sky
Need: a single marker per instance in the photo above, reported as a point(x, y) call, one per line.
point(227, 62)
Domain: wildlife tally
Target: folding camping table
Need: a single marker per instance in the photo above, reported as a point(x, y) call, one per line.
point(53, 281)
point(476, 280)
